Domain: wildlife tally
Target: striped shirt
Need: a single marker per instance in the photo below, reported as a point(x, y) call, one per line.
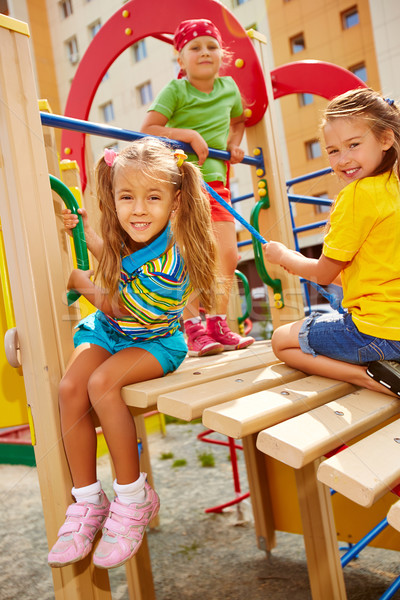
point(154, 292)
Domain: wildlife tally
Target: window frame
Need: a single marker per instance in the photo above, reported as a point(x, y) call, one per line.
point(106, 108)
point(142, 93)
point(293, 42)
point(348, 13)
point(310, 145)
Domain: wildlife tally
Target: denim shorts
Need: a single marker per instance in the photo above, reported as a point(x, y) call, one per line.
point(95, 329)
point(335, 335)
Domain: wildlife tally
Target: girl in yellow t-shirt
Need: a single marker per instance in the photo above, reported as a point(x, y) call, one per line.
point(362, 346)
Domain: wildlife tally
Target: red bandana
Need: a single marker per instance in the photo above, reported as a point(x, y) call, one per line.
point(188, 30)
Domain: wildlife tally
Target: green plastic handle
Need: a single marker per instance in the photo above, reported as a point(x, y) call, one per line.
point(247, 295)
point(78, 233)
point(275, 284)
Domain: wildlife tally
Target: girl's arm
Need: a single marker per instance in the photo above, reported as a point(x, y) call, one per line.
point(93, 241)
point(154, 124)
point(80, 281)
point(236, 132)
point(323, 270)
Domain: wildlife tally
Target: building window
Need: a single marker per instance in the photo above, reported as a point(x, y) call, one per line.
point(94, 28)
point(305, 99)
point(4, 10)
point(66, 8)
point(360, 70)
point(313, 149)
point(297, 43)
point(139, 51)
point(72, 50)
point(108, 112)
point(145, 93)
point(322, 208)
point(350, 18)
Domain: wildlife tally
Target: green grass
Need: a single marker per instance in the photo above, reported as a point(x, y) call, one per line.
point(166, 455)
point(188, 551)
point(179, 462)
point(206, 459)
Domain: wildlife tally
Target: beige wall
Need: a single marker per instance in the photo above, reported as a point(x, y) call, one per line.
point(385, 17)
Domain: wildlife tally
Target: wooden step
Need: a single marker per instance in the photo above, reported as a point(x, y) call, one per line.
point(367, 470)
point(195, 370)
point(304, 438)
point(253, 413)
point(394, 515)
point(188, 404)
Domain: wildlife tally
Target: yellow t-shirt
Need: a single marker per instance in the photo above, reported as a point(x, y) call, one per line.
point(365, 231)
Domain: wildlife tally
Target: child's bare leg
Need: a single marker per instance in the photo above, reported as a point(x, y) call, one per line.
point(225, 235)
point(77, 427)
point(285, 344)
point(126, 367)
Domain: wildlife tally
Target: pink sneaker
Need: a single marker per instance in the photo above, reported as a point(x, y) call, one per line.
point(218, 329)
point(75, 537)
point(124, 530)
point(199, 342)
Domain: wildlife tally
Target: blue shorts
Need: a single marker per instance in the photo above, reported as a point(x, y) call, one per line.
point(335, 335)
point(95, 329)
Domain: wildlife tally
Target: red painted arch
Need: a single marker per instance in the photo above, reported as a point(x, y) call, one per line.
point(138, 19)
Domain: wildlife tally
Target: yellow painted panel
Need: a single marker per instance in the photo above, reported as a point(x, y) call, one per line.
point(14, 25)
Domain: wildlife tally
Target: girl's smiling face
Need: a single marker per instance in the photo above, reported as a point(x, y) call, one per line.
point(143, 204)
point(201, 58)
point(353, 149)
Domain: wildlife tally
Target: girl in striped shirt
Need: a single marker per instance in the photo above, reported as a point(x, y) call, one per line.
point(156, 244)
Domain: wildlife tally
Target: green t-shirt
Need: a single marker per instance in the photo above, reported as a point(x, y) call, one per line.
point(210, 115)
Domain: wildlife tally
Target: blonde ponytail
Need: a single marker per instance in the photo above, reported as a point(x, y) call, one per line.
point(194, 236)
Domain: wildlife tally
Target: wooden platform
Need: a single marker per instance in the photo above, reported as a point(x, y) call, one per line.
point(287, 422)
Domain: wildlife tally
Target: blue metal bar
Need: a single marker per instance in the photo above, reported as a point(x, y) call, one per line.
point(392, 589)
point(308, 176)
point(244, 243)
point(356, 548)
point(240, 198)
point(310, 226)
point(310, 200)
point(117, 133)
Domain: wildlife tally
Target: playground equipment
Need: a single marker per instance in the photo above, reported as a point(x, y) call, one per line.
point(238, 395)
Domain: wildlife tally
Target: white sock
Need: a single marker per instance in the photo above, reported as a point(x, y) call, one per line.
point(223, 317)
point(194, 320)
point(89, 493)
point(131, 492)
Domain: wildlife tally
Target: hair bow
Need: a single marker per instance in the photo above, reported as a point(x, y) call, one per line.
point(180, 157)
point(389, 101)
point(109, 156)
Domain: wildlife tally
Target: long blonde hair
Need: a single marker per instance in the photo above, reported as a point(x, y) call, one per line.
point(191, 225)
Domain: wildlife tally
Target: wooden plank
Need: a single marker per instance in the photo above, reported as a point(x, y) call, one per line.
point(199, 370)
point(323, 562)
point(253, 413)
point(328, 427)
point(367, 470)
point(189, 404)
point(394, 515)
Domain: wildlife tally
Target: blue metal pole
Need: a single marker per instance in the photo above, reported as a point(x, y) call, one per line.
point(117, 133)
point(356, 548)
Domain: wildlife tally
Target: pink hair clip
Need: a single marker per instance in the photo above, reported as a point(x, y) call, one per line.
point(109, 156)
